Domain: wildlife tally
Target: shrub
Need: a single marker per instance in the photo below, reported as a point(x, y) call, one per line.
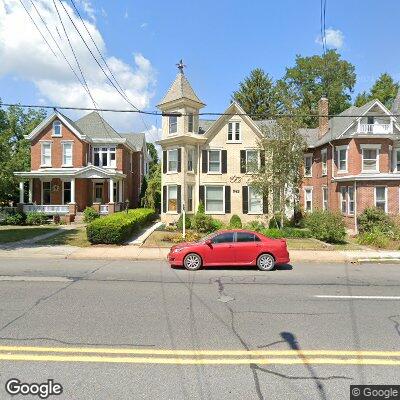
point(36, 218)
point(90, 214)
point(201, 209)
point(192, 236)
point(117, 228)
point(14, 218)
point(288, 233)
point(326, 225)
point(235, 222)
point(216, 224)
point(275, 221)
point(203, 223)
point(297, 219)
point(375, 237)
point(256, 226)
point(188, 222)
point(373, 217)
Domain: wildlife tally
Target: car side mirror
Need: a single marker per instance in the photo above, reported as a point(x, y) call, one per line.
point(208, 242)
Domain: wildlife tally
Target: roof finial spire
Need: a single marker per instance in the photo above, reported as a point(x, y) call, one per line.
point(180, 66)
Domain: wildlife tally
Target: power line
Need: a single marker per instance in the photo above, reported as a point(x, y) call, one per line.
point(120, 91)
point(161, 114)
point(41, 34)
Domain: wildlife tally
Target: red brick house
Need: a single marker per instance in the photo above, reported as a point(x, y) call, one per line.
point(353, 161)
point(82, 163)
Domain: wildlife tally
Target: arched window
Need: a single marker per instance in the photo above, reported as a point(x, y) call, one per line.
point(57, 128)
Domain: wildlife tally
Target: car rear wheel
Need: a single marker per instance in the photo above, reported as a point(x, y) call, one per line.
point(192, 262)
point(266, 262)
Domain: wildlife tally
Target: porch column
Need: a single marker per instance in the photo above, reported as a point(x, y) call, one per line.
point(73, 190)
point(120, 195)
point(21, 192)
point(30, 200)
point(111, 191)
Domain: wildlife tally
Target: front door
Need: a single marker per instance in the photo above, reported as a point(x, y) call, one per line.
point(220, 252)
point(98, 192)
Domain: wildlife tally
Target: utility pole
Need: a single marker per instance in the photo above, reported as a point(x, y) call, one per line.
point(183, 221)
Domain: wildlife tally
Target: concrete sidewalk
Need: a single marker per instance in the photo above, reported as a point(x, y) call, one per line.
point(130, 252)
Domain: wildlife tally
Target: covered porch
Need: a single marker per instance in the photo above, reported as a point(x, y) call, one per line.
point(68, 192)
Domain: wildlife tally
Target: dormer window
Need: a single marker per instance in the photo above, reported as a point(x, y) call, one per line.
point(57, 128)
point(370, 120)
point(173, 124)
point(190, 122)
point(234, 132)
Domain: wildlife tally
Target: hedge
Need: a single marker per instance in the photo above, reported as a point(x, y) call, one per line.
point(288, 233)
point(118, 228)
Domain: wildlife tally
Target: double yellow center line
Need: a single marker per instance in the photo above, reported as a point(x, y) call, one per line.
point(187, 357)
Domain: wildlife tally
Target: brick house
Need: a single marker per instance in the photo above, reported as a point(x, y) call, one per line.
point(82, 163)
point(353, 161)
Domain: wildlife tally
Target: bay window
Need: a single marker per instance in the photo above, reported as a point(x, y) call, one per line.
point(370, 157)
point(190, 122)
point(104, 156)
point(67, 154)
point(214, 161)
point(214, 198)
point(46, 154)
point(255, 202)
point(381, 198)
point(190, 160)
point(173, 124)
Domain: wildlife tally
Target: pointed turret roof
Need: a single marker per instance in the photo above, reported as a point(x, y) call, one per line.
point(180, 89)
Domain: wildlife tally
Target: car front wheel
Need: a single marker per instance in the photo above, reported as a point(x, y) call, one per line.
point(265, 262)
point(192, 262)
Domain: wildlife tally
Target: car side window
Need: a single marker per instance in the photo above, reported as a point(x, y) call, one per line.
point(246, 237)
point(223, 238)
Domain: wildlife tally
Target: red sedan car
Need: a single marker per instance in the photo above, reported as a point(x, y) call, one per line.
point(233, 247)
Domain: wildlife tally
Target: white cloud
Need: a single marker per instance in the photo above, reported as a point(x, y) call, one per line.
point(334, 38)
point(26, 56)
point(144, 25)
point(88, 8)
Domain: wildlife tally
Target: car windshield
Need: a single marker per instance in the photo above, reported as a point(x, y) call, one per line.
point(209, 236)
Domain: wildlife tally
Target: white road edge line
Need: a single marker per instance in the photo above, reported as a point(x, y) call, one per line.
point(323, 296)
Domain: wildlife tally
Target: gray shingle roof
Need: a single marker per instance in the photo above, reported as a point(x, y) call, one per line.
point(135, 139)
point(180, 89)
point(396, 104)
point(96, 127)
point(204, 125)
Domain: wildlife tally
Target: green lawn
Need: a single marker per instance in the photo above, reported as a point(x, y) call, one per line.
point(73, 237)
point(10, 234)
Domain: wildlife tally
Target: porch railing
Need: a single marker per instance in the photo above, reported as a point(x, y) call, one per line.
point(103, 208)
point(375, 128)
point(48, 209)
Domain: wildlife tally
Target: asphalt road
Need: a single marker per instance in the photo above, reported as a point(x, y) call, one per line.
point(114, 330)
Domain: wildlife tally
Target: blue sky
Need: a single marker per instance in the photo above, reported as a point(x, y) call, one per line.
point(220, 41)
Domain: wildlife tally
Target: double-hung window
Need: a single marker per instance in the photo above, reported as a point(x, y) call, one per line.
point(255, 202)
point(173, 124)
point(350, 193)
point(308, 159)
point(370, 157)
point(173, 160)
point(381, 198)
point(57, 129)
point(214, 161)
point(67, 154)
point(397, 160)
point(66, 192)
point(324, 165)
point(234, 132)
point(46, 192)
point(189, 207)
point(214, 196)
point(324, 198)
point(190, 160)
point(343, 199)
point(308, 199)
point(252, 161)
point(172, 198)
point(104, 156)
point(342, 158)
point(46, 154)
point(190, 122)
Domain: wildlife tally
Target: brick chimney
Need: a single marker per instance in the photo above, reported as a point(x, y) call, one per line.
point(323, 120)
